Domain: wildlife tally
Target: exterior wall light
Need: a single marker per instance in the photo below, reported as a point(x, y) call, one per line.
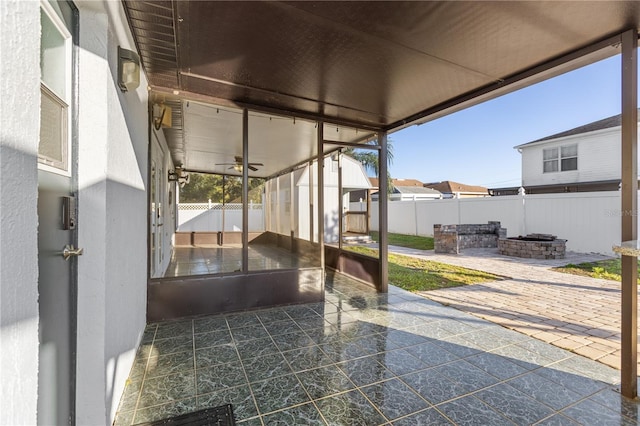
point(128, 69)
point(179, 175)
point(161, 116)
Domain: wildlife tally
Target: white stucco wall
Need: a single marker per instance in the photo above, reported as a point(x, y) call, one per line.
point(112, 224)
point(19, 134)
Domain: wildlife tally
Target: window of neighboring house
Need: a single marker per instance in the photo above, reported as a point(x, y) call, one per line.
point(55, 92)
point(563, 159)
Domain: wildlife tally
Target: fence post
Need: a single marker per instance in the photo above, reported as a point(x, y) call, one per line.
point(415, 214)
point(523, 203)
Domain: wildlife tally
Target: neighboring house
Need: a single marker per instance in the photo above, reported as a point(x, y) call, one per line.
point(511, 190)
point(361, 196)
point(451, 189)
point(586, 158)
point(407, 190)
point(406, 183)
point(414, 193)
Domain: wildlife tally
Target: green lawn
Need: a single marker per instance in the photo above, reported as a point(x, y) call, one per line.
point(606, 269)
point(422, 275)
point(410, 241)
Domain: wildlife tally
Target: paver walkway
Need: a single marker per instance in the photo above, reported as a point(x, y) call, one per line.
point(581, 314)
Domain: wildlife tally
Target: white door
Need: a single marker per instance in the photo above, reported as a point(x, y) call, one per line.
point(156, 209)
point(57, 233)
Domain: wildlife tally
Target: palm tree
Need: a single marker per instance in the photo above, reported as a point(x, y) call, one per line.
point(369, 160)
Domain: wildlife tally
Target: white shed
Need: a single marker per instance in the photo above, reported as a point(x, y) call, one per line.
point(291, 198)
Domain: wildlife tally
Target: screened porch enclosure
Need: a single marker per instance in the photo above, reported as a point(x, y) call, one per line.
point(263, 238)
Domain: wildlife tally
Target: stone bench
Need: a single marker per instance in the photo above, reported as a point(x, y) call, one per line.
point(453, 238)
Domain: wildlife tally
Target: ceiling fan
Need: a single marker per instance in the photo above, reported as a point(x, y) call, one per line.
point(237, 165)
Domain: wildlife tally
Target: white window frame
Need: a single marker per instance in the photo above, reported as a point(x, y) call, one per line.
point(557, 158)
point(45, 164)
point(552, 159)
point(568, 157)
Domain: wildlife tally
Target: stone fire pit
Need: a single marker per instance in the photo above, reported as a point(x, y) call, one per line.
point(533, 246)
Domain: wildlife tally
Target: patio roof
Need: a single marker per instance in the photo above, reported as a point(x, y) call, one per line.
point(368, 65)
point(371, 64)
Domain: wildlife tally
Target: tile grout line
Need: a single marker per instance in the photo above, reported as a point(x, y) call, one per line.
point(195, 364)
point(144, 375)
point(246, 376)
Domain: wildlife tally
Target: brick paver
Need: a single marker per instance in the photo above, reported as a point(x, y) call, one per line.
point(581, 314)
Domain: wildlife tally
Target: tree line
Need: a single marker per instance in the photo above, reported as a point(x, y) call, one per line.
point(219, 189)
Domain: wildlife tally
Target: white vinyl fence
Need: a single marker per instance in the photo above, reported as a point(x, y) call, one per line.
point(212, 217)
point(590, 221)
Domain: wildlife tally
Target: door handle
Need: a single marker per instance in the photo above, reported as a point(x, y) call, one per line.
point(69, 251)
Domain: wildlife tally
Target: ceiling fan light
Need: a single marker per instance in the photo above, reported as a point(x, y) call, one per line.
point(238, 168)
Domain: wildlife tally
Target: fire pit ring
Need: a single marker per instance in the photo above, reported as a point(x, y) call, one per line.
point(533, 246)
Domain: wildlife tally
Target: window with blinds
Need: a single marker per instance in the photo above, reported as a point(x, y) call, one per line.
point(563, 159)
point(55, 89)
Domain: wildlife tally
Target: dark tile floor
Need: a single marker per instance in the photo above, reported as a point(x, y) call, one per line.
point(213, 259)
point(361, 358)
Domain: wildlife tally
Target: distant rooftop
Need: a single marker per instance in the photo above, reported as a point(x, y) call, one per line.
point(451, 187)
point(415, 190)
point(397, 182)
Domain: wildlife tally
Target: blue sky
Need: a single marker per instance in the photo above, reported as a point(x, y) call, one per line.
point(475, 146)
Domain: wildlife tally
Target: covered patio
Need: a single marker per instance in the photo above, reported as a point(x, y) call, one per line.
point(346, 74)
point(226, 88)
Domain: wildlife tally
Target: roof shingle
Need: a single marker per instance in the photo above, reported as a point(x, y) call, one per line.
point(605, 123)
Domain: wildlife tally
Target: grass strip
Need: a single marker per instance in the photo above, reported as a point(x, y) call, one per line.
point(414, 274)
point(410, 241)
point(610, 269)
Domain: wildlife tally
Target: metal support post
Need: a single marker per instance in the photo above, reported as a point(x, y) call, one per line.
point(320, 160)
point(245, 190)
point(340, 202)
point(629, 212)
point(382, 214)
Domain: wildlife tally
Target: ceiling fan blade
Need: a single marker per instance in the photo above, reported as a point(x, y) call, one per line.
point(256, 164)
point(253, 168)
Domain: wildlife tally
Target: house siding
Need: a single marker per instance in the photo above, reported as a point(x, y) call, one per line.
point(598, 159)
